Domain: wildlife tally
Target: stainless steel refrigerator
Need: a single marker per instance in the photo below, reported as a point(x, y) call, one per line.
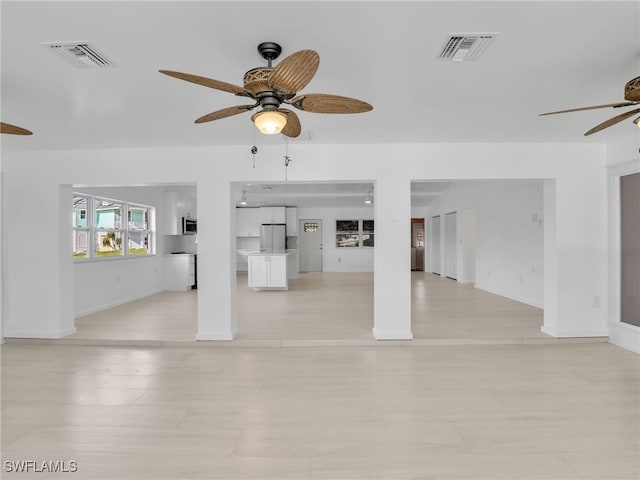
point(272, 237)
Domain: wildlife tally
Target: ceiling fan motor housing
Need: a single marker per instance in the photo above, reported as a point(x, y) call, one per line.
point(256, 80)
point(632, 90)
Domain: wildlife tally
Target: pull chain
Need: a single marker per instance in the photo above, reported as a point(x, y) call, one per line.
point(254, 149)
point(287, 158)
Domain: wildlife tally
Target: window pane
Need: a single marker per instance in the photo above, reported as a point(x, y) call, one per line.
point(367, 225)
point(347, 240)
point(346, 225)
point(80, 242)
point(108, 214)
point(139, 243)
point(310, 227)
point(138, 218)
point(108, 244)
point(80, 208)
point(367, 239)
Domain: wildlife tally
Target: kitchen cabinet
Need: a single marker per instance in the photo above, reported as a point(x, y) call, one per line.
point(269, 215)
point(292, 221)
point(248, 222)
point(268, 272)
point(176, 206)
point(179, 272)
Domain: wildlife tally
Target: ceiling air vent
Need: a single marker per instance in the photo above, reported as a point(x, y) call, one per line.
point(465, 46)
point(80, 54)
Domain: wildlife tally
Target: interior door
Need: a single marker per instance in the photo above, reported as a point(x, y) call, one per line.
point(435, 245)
point(310, 245)
point(451, 244)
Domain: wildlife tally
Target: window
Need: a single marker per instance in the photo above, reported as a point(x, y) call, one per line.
point(99, 222)
point(80, 226)
point(354, 233)
point(347, 233)
point(367, 233)
point(310, 227)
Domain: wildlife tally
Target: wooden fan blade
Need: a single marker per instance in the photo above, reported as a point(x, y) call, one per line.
point(614, 105)
point(224, 113)
point(292, 128)
point(13, 130)
point(294, 72)
point(323, 103)
point(207, 82)
point(612, 121)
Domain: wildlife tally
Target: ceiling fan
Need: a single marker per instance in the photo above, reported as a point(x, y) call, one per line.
point(13, 129)
point(270, 87)
point(632, 97)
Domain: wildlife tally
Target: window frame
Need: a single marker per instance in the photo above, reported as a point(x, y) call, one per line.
point(124, 230)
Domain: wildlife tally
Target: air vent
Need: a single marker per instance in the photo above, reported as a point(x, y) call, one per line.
point(465, 46)
point(80, 54)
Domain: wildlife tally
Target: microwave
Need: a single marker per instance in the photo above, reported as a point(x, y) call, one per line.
point(189, 226)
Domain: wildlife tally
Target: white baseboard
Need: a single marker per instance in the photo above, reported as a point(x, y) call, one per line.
point(625, 336)
point(573, 333)
point(217, 337)
point(378, 335)
point(117, 303)
point(507, 295)
point(40, 334)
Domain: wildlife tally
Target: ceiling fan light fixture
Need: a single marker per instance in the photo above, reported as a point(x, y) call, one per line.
point(270, 122)
point(637, 122)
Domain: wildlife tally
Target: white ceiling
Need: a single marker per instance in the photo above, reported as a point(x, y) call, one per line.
point(548, 55)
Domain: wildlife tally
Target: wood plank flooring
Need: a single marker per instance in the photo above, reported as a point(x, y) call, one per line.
point(500, 412)
point(325, 307)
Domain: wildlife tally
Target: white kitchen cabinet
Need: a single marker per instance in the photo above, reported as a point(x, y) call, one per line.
point(270, 215)
point(247, 222)
point(292, 221)
point(179, 272)
point(268, 272)
point(172, 223)
point(176, 206)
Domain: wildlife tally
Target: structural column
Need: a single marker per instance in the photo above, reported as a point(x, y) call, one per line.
point(392, 259)
point(216, 270)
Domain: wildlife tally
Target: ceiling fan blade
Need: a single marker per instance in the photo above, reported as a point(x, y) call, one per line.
point(294, 72)
point(614, 105)
point(224, 113)
point(207, 82)
point(292, 128)
point(612, 121)
point(324, 103)
point(13, 130)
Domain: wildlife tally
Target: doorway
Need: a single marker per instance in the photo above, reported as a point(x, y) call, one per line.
point(417, 244)
point(310, 248)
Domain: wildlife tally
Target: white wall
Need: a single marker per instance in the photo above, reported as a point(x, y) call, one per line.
point(509, 239)
point(341, 259)
point(33, 181)
point(103, 284)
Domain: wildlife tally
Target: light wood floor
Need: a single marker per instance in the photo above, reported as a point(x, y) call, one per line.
point(325, 307)
point(491, 412)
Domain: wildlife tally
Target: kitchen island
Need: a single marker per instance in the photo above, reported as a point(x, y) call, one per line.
point(271, 269)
